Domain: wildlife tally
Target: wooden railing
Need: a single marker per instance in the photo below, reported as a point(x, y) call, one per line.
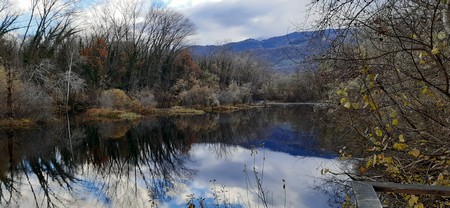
point(366, 196)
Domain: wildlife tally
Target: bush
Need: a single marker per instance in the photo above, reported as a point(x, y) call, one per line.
point(236, 94)
point(198, 96)
point(115, 98)
point(33, 101)
point(145, 97)
point(29, 100)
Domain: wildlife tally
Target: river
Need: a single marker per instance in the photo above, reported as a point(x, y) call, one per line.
point(252, 158)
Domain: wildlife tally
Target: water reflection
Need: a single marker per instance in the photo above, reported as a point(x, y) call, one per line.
point(159, 161)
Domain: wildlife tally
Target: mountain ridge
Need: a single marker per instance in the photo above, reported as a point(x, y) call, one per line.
point(283, 53)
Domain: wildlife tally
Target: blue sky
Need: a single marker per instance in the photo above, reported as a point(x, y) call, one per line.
point(220, 21)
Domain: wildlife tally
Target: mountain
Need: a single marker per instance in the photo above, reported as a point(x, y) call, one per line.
point(283, 53)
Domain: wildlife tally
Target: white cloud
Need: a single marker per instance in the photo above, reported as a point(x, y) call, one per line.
point(185, 4)
point(21, 5)
point(217, 21)
point(234, 20)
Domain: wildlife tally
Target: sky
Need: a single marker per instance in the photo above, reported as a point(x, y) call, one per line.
point(222, 21)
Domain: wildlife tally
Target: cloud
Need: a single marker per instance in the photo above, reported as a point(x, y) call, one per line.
point(217, 21)
point(236, 20)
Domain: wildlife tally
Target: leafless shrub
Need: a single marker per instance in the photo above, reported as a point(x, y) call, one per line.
point(145, 97)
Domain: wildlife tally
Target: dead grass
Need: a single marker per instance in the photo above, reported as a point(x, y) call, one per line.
point(177, 110)
point(16, 123)
point(110, 114)
point(227, 108)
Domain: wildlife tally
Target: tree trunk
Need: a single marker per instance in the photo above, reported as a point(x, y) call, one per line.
point(9, 99)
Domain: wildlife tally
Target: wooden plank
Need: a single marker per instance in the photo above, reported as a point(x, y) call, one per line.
point(366, 197)
point(410, 188)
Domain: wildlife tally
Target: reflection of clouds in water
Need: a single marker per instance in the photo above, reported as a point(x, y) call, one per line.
point(300, 173)
point(94, 190)
point(129, 189)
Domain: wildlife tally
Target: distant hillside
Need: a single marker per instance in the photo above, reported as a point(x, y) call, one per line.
point(284, 53)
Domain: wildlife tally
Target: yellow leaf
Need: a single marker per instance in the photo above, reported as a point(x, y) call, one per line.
point(388, 160)
point(324, 171)
point(388, 127)
point(369, 163)
point(343, 100)
point(378, 132)
point(355, 105)
point(364, 69)
point(441, 35)
point(395, 122)
point(414, 36)
point(422, 61)
point(339, 92)
point(440, 177)
point(419, 205)
point(424, 90)
point(435, 51)
point(405, 103)
point(393, 114)
point(374, 160)
point(400, 146)
point(347, 105)
point(413, 200)
point(414, 152)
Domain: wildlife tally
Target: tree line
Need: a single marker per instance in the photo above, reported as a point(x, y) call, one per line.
point(56, 57)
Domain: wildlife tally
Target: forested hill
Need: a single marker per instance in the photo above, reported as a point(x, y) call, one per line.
point(281, 52)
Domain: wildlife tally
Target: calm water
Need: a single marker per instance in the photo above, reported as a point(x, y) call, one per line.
point(167, 161)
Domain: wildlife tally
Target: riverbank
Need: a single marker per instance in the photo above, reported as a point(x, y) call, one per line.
point(111, 114)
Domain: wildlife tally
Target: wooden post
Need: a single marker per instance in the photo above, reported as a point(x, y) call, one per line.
point(417, 189)
point(366, 197)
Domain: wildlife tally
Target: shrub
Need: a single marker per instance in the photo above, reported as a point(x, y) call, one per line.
point(29, 100)
point(115, 98)
point(199, 96)
point(236, 94)
point(33, 101)
point(145, 97)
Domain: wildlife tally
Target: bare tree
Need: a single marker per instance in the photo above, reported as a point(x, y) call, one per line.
point(9, 16)
point(390, 61)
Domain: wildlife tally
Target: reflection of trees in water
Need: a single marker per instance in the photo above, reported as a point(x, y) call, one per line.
point(31, 154)
point(336, 188)
point(152, 154)
point(149, 154)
